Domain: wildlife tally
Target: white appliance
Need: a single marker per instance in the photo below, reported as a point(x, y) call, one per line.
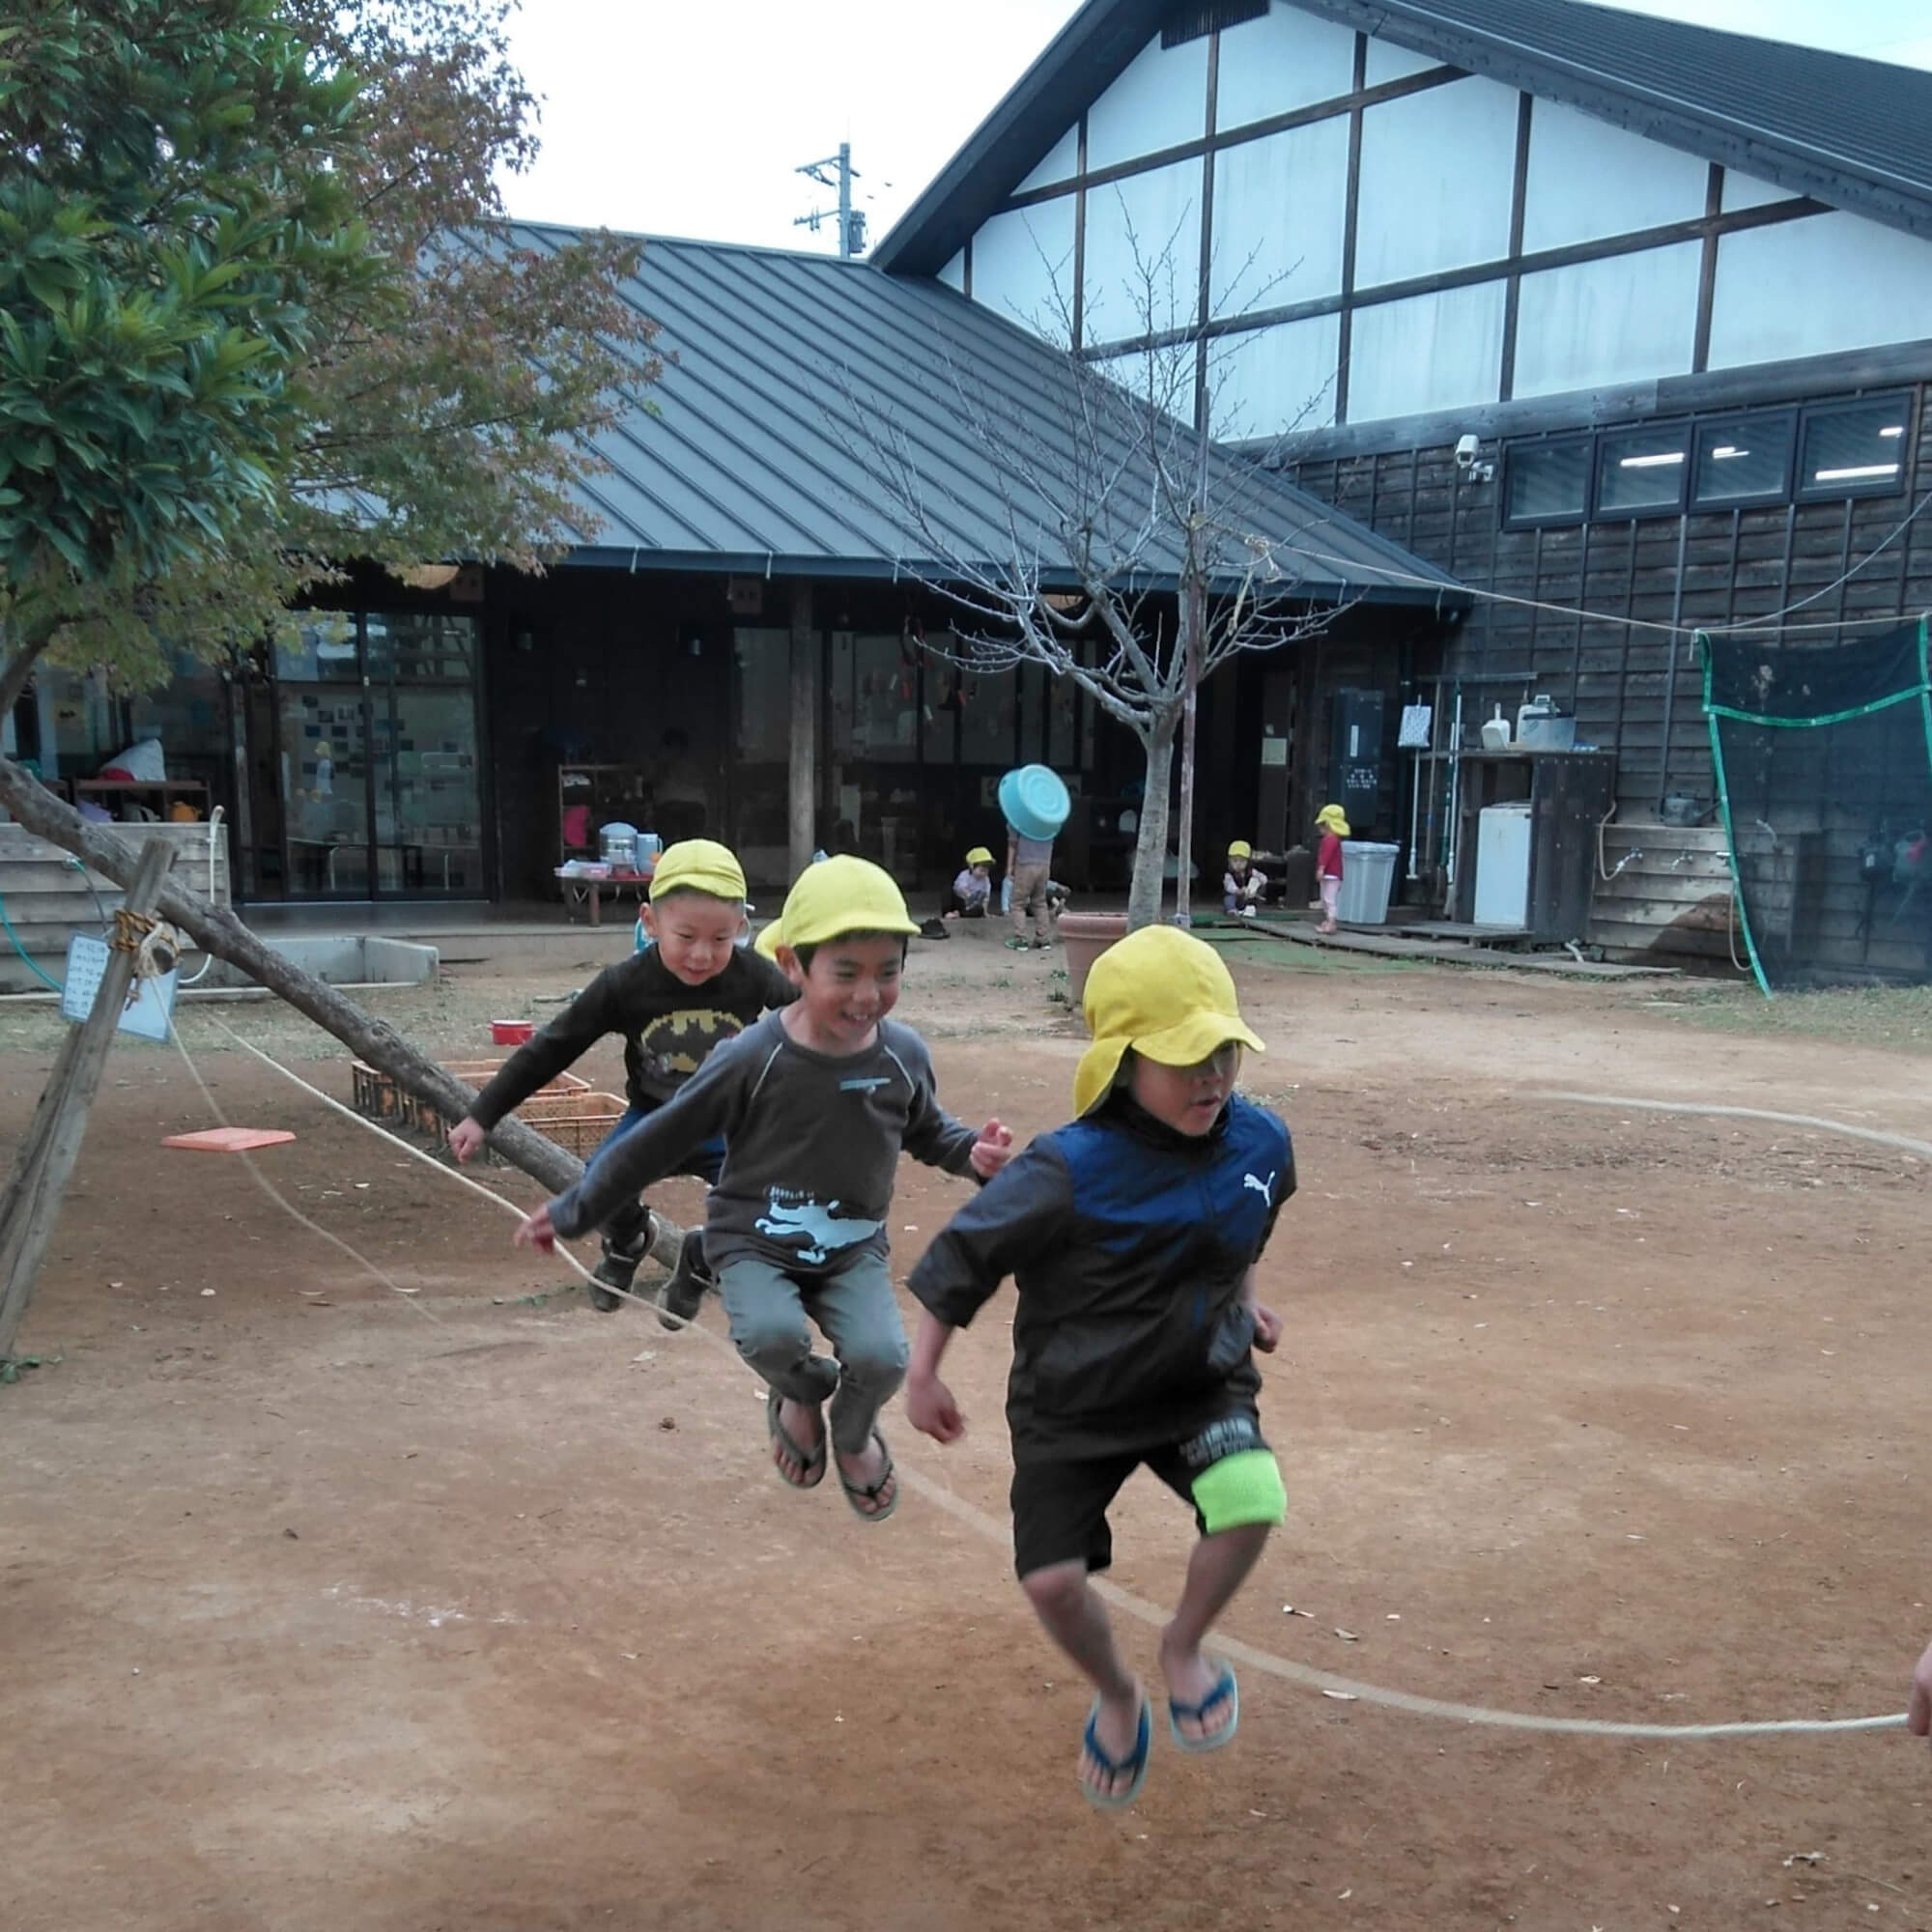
point(1502, 865)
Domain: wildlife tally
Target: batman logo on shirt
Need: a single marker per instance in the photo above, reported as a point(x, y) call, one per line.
point(678, 1044)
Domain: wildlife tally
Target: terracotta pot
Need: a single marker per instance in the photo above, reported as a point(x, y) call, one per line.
point(1087, 935)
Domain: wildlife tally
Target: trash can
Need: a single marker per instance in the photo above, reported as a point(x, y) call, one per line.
point(1368, 877)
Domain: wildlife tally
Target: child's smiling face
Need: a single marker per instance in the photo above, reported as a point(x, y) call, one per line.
point(850, 986)
point(694, 934)
point(1186, 1099)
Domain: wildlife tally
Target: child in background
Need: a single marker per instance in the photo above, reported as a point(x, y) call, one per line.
point(813, 1104)
point(1242, 887)
point(1133, 1237)
point(972, 890)
point(694, 988)
point(1332, 822)
point(1029, 871)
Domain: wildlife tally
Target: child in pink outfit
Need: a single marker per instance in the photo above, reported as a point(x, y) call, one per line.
point(1333, 825)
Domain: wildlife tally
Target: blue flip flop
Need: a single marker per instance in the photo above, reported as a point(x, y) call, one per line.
point(1227, 1691)
point(1135, 1761)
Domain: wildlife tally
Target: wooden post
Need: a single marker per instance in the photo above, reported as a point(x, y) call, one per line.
point(216, 930)
point(803, 729)
point(33, 1200)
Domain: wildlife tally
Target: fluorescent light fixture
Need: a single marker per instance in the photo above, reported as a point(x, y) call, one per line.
point(1857, 473)
point(1893, 429)
point(1725, 451)
point(1665, 459)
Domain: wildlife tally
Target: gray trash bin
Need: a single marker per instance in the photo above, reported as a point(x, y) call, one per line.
point(1368, 877)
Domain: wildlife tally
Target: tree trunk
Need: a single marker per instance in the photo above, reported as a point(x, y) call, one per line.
point(1192, 619)
point(1144, 895)
point(218, 931)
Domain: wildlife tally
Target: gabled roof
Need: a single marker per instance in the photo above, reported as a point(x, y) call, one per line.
point(744, 458)
point(1855, 134)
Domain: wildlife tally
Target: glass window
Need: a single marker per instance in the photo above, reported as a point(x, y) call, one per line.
point(1744, 460)
point(1642, 472)
point(318, 648)
point(1856, 451)
point(762, 658)
point(1547, 483)
point(988, 711)
point(885, 699)
point(425, 647)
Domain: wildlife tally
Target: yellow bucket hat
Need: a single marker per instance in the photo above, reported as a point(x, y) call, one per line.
point(978, 856)
point(698, 866)
point(770, 940)
point(843, 895)
point(1332, 818)
point(1240, 849)
point(1165, 994)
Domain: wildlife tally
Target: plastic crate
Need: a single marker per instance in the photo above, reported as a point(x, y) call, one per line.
point(577, 1123)
point(373, 1094)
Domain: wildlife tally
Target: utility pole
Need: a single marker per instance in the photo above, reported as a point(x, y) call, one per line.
point(836, 172)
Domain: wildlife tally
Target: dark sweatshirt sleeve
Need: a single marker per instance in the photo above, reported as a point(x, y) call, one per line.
point(1019, 1216)
point(931, 1134)
point(594, 1012)
point(774, 988)
point(700, 1110)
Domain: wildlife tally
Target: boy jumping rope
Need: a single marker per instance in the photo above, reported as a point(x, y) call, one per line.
point(1133, 1237)
point(813, 1104)
point(672, 1005)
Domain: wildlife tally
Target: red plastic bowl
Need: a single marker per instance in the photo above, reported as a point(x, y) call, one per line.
point(511, 1032)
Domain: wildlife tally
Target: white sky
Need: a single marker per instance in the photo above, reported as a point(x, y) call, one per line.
point(689, 118)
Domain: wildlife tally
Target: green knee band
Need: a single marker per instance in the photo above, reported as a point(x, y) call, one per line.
point(1244, 1487)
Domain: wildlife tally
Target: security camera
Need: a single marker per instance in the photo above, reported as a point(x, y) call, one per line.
point(1466, 447)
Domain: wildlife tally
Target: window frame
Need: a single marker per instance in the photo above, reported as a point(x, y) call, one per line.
point(1514, 452)
point(1803, 490)
point(1637, 513)
point(1748, 499)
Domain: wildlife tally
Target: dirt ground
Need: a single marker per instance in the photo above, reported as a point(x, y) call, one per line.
point(329, 1606)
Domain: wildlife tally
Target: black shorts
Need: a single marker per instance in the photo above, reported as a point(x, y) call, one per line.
point(1060, 1506)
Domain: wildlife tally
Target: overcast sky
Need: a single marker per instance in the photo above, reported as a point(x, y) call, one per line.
point(691, 119)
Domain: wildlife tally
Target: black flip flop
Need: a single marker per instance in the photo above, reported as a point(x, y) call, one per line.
point(858, 1492)
point(811, 1461)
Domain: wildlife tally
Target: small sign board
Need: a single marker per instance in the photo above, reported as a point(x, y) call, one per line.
point(150, 1003)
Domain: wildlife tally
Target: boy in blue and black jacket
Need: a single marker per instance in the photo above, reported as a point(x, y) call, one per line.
point(1131, 1235)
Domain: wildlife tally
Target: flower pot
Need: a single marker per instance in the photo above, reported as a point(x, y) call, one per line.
point(1087, 935)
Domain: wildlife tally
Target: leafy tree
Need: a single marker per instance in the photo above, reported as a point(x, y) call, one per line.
point(172, 219)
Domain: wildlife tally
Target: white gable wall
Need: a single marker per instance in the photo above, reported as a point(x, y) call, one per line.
point(1300, 334)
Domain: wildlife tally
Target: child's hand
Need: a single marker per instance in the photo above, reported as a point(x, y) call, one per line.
point(534, 1231)
point(993, 1150)
point(465, 1139)
point(1268, 1329)
point(1919, 1720)
point(931, 1409)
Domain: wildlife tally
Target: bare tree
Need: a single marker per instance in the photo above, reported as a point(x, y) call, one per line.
point(1107, 537)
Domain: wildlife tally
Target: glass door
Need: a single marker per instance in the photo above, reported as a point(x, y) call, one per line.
point(322, 766)
point(428, 803)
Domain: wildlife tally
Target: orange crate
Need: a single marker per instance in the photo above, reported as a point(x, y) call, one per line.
point(581, 1122)
point(372, 1094)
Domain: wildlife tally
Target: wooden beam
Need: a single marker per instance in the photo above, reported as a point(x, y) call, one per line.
point(805, 685)
point(33, 1201)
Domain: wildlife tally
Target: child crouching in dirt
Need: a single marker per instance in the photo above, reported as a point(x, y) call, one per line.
point(672, 1005)
point(1133, 1237)
point(813, 1104)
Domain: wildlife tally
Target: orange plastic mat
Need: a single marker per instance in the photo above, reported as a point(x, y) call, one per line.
point(229, 1140)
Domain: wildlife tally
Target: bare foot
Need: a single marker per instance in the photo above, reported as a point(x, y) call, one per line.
point(804, 1428)
point(1117, 1727)
point(866, 1468)
point(1191, 1680)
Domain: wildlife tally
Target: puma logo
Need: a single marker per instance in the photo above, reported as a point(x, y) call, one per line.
point(819, 1228)
point(1265, 1188)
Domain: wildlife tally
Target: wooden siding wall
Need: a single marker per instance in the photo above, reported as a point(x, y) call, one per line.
point(1737, 564)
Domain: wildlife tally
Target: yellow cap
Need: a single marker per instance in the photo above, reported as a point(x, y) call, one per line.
point(698, 866)
point(1240, 849)
point(843, 895)
point(770, 940)
point(1165, 994)
point(1332, 818)
point(978, 856)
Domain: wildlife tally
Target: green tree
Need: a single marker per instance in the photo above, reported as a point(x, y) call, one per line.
point(173, 220)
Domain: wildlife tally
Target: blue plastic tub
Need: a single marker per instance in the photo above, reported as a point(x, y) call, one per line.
point(1034, 800)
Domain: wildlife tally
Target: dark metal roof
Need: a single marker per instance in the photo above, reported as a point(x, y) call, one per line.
point(1856, 133)
point(743, 456)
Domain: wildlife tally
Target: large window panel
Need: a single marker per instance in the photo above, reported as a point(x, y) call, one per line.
point(1616, 320)
point(1286, 61)
point(1148, 222)
point(1061, 163)
point(1273, 382)
point(1743, 459)
point(1436, 351)
point(1588, 180)
point(1280, 207)
point(1642, 472)
point(1856, 450)
point(1389, 62)
point(1813, 286)
point(1023, 265)
point(1439, 173)
point(1748, 191)
point(1548, 482)
point(1159, 101)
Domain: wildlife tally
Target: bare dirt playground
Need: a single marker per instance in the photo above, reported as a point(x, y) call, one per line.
point(327, 1606)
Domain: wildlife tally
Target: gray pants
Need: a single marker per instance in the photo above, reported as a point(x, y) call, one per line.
point(1030, 907)
point(860, 1317)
